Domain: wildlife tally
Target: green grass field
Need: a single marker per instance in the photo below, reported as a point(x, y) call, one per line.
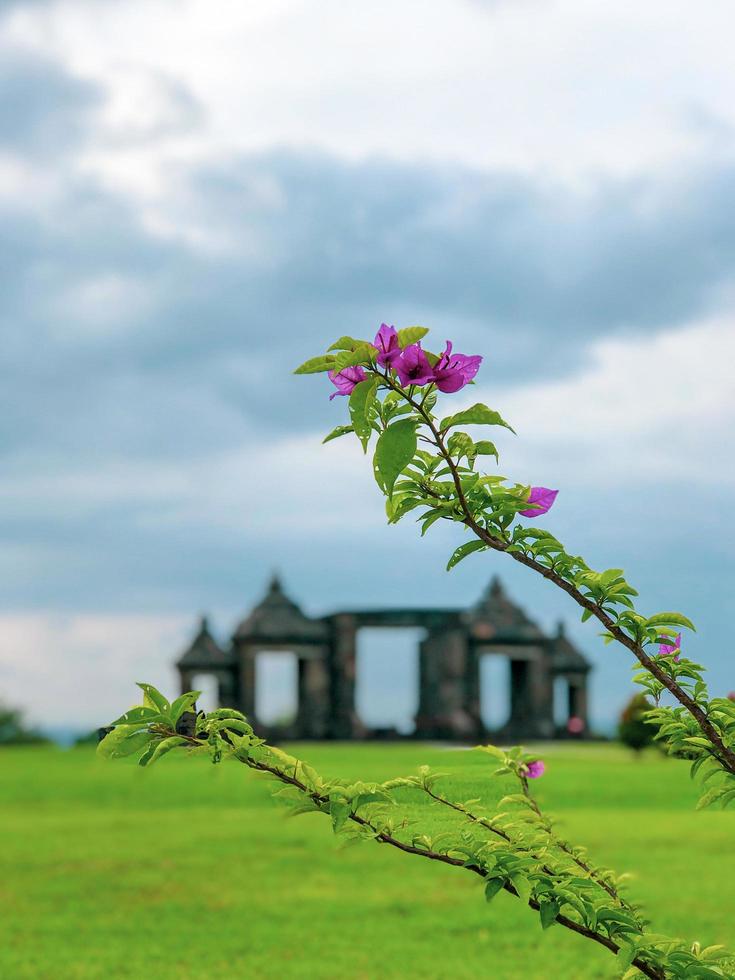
point(192, 871)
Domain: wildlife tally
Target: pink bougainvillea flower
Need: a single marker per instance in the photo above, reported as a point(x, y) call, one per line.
point(386, 340)
point(666, 649)
point(575, 725)
point(413, 366)
point(534, 769)
point(543, 498)
point(454, 371)
point(345, 380)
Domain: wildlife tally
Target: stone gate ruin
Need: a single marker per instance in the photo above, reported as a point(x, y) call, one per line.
point(449, 667)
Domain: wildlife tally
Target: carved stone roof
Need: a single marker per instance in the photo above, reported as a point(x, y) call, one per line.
point(277, 619)
point(204, 651)
point(565, 656)
point(496, 619)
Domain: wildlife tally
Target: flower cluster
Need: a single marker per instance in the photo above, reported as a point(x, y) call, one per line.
point(667, 649)
point(410, 366)
point(449, 372)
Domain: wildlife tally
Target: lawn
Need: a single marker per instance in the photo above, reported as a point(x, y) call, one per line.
point(190, 871)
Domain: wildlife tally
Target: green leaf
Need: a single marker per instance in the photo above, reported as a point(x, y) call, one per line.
point(361, 403)
point(670, 619)
point(339, 813)
point(710, 797)
point(492, 887)
point(349, 358)
point(461, 444)
point(153, 698)
point(341, 430)
point(465, 549)
point(122, 741)
point(409, 335)
point(347, 343)
point(522, 886)
point(315, 365)
point(478, 414)
point(164, 746)
point(395, 449)
point(186, 702)
point(485, 448)
point(548, 912)
point(140, 715)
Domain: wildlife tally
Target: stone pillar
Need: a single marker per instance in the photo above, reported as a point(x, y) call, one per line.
point(446, 664)
point(314, 712)
point(246, 669)
point(344, 721)
point(185, 680)
point(428, 708)
point(227, 689)
point(541, 696)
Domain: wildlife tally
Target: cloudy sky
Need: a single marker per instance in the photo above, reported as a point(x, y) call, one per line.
point(194, 198)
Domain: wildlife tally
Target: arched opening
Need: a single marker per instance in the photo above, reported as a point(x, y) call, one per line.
point(208, 685)
point(276, 687)
point(495, 700)
point(387, 678)
point(561, 702)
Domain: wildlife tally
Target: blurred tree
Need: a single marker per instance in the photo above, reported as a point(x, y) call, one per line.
point(13, 730)
point(633, 731)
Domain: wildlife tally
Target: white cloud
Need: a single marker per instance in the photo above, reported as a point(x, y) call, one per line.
point(640, 408)
point(562, 89)
point(79, 669)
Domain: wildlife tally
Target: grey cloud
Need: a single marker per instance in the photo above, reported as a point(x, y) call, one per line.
point(42, 108)
point(320, 247)
point(194, 355)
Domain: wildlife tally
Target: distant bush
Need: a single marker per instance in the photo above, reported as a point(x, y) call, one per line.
point(633, 731)
point(13, 730)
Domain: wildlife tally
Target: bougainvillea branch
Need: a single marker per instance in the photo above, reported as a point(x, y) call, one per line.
point(521, 855)
point(394, 397)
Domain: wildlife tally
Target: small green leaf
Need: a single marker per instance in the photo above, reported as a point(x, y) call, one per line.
point(361, 404)
point(153, 698)
point(186, 702)
point(339, 813)
point(409, 335)
point(140, 715)
point(548, 912)
point(485, 448)
point(316, 365)
point(395, 449)
point(347, 343)
point(522, 886)
point(671, 619)
point(161, 748)
point(350, 358)
point(478, 414)
point(464, 550)
point(492, 887)
point(122, 741)
point(341, 430)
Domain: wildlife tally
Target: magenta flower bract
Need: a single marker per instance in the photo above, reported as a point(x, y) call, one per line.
point(543, 498)
point(535, 769)
point(386, 340)
point(454, 371)
point(413, 366)
point(666, 649)
point(346, 380)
